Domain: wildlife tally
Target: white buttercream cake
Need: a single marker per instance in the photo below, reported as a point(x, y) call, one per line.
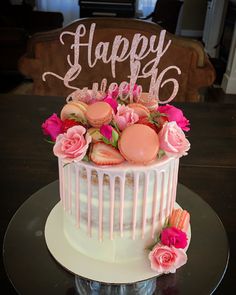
point(118, 174)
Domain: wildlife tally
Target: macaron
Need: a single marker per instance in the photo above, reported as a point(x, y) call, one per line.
point(98, 114)
point(139, 109)
point(78, 108)
point(150, 103)
point(139, 144)
point(180, 219)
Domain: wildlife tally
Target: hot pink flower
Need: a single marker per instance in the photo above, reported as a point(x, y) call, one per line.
point(166, 259)
point(112, 102)
point(172, 236)
point(114, 93)
point(175, 114)
point(72, 145)
point(52, 126)
point(172, 140)
point(106, 131)
point(125, 117)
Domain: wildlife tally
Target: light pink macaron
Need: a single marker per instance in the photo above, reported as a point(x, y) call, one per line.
point(77, 108)
point(98, 114)
point(180, 219)
point(139, 144)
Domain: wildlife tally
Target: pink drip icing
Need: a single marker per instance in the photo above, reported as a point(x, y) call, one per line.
point(174, 185)
point(77, 197)
point(154, 208)
point(69, 188)
point(122, 196)
point(136, 184)
point(112, 196)
point(162, 199)
point(169, 190)
point(100, 196)
point(89, 208)
point(145, 203)
point(62, 178)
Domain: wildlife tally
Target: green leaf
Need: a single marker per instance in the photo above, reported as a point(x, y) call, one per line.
point(160, 154)
point(49, 141)
point(85, 158)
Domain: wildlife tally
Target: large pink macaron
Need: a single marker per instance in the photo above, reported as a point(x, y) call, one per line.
point(139, 144)
point(99, 113)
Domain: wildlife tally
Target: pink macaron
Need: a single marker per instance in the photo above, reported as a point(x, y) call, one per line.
point(98, 114)
point(139, 144)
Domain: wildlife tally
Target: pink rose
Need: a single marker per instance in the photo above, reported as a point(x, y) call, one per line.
point(125, 117)
point(166, 259)
point(52, 126)
point(172, 236)
point(172, 140)
point(72, 145)
point(175, 114)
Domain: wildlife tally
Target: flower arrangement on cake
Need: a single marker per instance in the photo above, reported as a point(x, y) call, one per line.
point(107, 130)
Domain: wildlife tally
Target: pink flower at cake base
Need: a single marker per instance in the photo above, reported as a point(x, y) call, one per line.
point(52, 126)
point(172, 236)
point(175, 114)
point(72, 145)
point(173, 141)
point(125, 117)
point(166, 259)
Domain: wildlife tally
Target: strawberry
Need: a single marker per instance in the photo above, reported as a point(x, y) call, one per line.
point(148, 122)
point(155, 120)
point(104, 154)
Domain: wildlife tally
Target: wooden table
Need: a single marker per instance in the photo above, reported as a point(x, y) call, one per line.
point(27, 162)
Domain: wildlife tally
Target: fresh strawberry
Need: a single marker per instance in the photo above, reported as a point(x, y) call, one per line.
point(104, 154)
point(155, 120)
point(148, 122)
point(68, 123)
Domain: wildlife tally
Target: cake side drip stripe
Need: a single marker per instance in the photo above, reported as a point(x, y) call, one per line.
point(77, 197)
point(61, 181)
point(136, 187)
point(175, 180)
point(122, 196)
point(100, 206)
point(112, 195)
point(69, 187)
point(89, 196)
point(169, 190)
point(154, 206)
point(163, 182)
point(145, 193)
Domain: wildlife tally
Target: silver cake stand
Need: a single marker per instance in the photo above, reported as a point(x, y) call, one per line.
point(25, 253)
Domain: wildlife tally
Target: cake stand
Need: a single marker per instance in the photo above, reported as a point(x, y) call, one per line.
point(32, 270)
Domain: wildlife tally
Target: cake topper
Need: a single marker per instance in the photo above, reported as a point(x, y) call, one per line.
point(117, 51)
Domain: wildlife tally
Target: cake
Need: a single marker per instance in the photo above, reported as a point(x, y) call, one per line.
point(118, 151)
point(118, 173)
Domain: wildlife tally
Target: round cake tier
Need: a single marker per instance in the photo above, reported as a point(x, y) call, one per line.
point(114, 213)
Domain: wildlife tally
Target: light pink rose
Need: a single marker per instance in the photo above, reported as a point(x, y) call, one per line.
point(172, 140)
point(125, 117)
point(52, 126)
point(72, 145)
point(172, 236)
point(166, 259)
point(175, 114)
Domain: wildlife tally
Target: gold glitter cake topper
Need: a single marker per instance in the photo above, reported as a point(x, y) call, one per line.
point(120, 49)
